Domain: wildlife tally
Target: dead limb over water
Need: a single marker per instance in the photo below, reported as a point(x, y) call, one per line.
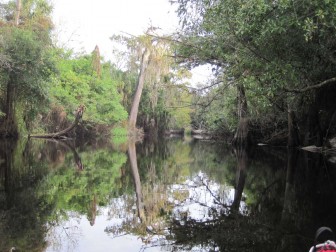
point(62, 133)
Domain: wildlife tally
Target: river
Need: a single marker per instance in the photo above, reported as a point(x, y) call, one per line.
point(167, 195)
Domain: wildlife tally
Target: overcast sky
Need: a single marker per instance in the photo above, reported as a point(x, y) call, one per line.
point(83, 24)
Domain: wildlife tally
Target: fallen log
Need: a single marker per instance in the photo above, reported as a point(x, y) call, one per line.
point(62, 133)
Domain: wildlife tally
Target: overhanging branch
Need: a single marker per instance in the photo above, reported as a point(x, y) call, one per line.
point(317, 86)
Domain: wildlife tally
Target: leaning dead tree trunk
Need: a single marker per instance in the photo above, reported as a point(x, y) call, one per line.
point(62, 133)
point(141, 80)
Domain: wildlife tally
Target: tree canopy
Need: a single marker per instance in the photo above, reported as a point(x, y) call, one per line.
point(282, 52)
point(26, 61)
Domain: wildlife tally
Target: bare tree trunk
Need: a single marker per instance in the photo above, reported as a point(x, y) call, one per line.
point(18, 12)
point(241, 135)
point(137, 97)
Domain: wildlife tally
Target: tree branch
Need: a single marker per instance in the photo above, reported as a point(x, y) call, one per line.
point(320, 85)
point(62, 133)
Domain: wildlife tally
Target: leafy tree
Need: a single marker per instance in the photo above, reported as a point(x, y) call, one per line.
point(24, 213)
point(26, 62)
point(163, 86)
point(84, 190)
point(271, 49)
point(81, 80)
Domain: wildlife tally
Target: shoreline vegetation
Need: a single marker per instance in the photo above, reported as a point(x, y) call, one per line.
point(268, 86)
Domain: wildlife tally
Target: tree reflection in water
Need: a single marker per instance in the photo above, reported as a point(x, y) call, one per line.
point(137, 183)
point(22, 212)
point(219, 200)
point(278, 213)
point(175, 196)
point(148, 221)
point(225, 224)
point(199, 200)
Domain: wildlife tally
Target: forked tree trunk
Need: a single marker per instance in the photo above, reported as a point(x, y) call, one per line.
point(241, 137)
point(137, 97)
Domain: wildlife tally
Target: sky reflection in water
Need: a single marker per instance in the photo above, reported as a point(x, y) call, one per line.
point(184, 195)
point(77, 234)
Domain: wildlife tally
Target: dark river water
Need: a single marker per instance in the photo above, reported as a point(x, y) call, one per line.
point(168, 195)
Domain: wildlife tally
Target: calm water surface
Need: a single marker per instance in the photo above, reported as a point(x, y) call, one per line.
point(172, 195)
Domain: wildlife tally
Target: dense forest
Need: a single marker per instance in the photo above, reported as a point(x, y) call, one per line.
point(273, 64)
point(275, 67)
point(41, 85)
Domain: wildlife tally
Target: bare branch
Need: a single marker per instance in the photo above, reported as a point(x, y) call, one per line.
point(317, 86)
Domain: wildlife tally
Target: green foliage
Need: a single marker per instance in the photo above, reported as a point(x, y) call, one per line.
point(78, 83)
point(26, 61)
point(270, 47)
point(119, 131)
point(165, 95)
point(176, 99)
point(29, 64)
point(24, 214)
point(73, 190)
point(119, 135)
point(215, 111)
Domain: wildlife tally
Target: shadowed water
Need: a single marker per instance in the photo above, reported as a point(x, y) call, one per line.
point(172, 195)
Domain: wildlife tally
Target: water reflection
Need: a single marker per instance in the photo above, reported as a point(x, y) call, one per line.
point(241, 156)
point(136, 177)
point(176, 195)
point(22, 212)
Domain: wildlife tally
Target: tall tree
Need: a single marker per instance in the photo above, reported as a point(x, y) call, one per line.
point(26, 48)
point(96, 61)
point(77, 82)
point(282, 51)
point(151, 74)
point(141, 79)
point(241, 135)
